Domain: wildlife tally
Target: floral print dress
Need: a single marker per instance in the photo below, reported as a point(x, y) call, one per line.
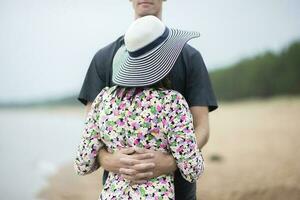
point(154, 119)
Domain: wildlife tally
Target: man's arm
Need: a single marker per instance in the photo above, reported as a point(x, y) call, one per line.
point(201, 124)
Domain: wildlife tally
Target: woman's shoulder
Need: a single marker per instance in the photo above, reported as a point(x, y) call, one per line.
point(173, 94)
point(168, 95)
point(174, 99)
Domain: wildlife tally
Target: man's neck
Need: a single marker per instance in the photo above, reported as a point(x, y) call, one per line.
point(158, 16)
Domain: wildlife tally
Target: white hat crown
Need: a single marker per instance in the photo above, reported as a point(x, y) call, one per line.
point(142, 32)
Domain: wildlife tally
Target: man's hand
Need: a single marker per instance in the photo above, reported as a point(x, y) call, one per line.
point(112, 161)
point(136, 164)
point(140, 168)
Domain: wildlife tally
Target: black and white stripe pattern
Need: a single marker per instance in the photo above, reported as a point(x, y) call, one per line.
point(153, 66)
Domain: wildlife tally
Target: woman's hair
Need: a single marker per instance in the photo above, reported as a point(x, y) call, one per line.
point(165, 83)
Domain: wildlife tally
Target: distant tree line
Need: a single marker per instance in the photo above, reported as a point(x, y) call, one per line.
point(264, 75)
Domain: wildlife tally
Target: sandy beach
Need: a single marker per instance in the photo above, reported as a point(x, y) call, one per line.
point(252, 153)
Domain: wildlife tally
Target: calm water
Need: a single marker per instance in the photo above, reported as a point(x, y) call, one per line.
point(32, 145)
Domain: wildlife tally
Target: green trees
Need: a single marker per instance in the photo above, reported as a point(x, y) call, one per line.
point(264, 75)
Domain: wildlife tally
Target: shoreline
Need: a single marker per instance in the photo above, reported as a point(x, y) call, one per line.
point(250, 155)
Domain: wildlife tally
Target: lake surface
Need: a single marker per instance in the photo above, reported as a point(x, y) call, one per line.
point(33, 144)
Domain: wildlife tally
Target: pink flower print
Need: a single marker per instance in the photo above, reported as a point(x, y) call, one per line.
point(95, 137)
point(110, 128)
point(177, 136)
point(180, 149)
point(93, 154)
point(112, 101)
point(189, 141)
point(183, 117)
point(172, 118)
point(140, 104)
point(171, 190)
point(116, 112)
point(154, 131)
point(135, 125)
point(163, 181)
point(147, 119)
point(185, 165)
point(192, 145)
point(166, 193)
point(163, 145)
point(149, 97)
point(136, 141)
point(122, 105)
point(140, 135)
point(158, 108)
point(120, 178)
point(120, 123)
point(149, 183)
point(164, 121)
point(186, 130)
point(93, 126)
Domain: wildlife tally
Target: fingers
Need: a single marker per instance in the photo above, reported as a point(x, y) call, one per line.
point(144, 167)
point(138, 173)
point(143, 156)
point(129, 162)
point(127, 151)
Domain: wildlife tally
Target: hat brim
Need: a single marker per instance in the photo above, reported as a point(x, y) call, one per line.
point(153, 66)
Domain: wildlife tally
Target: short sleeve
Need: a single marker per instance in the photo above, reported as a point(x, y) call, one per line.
point(86, 159)
point(182, 139)
point(199, 91)
point(92, 84)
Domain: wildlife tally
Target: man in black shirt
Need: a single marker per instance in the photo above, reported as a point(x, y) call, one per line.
point(189, 76)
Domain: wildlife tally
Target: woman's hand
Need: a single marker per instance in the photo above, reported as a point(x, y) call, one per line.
point(112, 161)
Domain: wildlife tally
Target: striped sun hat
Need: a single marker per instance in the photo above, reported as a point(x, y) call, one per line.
point(151, 49)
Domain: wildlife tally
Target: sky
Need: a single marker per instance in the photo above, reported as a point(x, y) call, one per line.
point(47, 46)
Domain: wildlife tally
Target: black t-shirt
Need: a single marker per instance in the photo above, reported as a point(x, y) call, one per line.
point(188, 76)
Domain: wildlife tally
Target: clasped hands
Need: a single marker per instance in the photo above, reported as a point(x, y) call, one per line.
point(136, 164)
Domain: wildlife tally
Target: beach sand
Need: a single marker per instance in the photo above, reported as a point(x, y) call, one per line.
point(253, 153)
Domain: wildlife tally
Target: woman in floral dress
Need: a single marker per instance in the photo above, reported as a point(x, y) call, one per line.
point(140, 111)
